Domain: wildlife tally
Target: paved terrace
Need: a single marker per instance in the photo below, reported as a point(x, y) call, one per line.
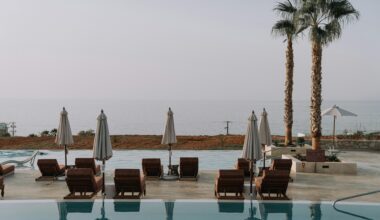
point(316, 187)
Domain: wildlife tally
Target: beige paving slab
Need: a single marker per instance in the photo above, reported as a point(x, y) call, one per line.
point(316, 187)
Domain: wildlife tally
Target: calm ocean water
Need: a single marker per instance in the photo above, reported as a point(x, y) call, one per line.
point(191, 117)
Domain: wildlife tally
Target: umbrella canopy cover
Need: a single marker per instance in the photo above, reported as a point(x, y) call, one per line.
point(64, 135)
point(264, 130)
point(169, 136)
point(102, 142)
point(251, 147)
point(337, 112)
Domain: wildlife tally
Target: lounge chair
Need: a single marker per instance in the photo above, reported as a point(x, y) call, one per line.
point(152, 167)
point(82, 181)
point(188, 168)
point(129, 181)
point(29, 160)
point(229, 181)
point(282, 164)
point(243, 164)
point(272, 182)
point(87, 163)
point(6, 170)
point(279, 164)
point(2, 186)
point(50, 169)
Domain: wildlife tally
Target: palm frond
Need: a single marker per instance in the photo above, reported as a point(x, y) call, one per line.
point(284, 28)
point(285, 9)
point(325, 18)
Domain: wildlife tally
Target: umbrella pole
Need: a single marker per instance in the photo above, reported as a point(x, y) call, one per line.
point(334, 133)
point(65, 156)
point(104, 178)
point(251, 177)
point(170, 158)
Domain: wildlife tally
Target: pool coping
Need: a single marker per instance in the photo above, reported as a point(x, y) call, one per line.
point(188, 201)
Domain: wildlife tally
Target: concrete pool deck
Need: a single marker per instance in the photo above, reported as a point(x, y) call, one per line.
point(315, 187)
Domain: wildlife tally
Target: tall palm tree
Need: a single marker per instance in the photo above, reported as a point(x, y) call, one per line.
point(324, 19)
point(287, 27)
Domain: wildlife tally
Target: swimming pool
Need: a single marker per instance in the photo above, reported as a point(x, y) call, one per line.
point(208, 159)
point(184, 210)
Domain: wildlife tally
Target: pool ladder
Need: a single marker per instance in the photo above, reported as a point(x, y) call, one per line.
point(351, 197)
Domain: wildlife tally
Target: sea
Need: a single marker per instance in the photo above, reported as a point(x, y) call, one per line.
point(192, 117)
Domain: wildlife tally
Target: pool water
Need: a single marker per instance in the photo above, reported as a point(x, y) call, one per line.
point(184, 210)
point(208, 159)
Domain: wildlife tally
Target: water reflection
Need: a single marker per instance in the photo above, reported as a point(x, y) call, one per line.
point(275, 208)
point(127, 206)
point(315, 211)
point(169, 209)
point(64, 208)
point(231, 207)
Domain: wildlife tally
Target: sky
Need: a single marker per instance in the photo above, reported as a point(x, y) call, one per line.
point(170, 49)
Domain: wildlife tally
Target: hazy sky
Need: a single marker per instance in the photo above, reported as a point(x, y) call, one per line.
point(188, 49)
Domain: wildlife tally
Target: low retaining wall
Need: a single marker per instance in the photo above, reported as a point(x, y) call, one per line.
point(274, 151)
point(353, 144)
point(322, 167)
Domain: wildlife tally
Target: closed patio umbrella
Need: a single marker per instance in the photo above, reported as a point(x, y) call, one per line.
point(264, 131)
point(64, 136)
point(102, 143)
point(169, 208)
point(169, 136)
point(251, 147)
point(335, 111)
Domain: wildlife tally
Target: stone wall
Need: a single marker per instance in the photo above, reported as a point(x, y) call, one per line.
point(353, 144)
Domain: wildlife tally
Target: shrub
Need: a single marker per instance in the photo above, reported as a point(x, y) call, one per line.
point(32, 135)
point(89, 132)
point(44, 133)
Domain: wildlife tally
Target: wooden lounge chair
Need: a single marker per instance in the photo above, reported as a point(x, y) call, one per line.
point(272, 182)
point(2, 186)
point(6, 170)
point(152, 168)
point(243, 164)
point(82, 181)
point(129, 181)
point(188, 168)
point(87, 163)
point(50, 169)
point(229, 181)
point(282, 164)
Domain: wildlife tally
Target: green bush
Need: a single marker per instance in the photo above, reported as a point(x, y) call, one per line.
point(89, 132)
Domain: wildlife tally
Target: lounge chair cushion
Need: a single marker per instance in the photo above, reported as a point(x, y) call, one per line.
point(188, 166)
point(229, 181)
point(50, 167)
point(6, 169)
point(152, 167)
point(83, 180)
point(243, 164)
point(87, 163)
point(129, 180)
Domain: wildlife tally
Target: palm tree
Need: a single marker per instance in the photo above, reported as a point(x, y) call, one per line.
point(287, 27)
point(324, 19)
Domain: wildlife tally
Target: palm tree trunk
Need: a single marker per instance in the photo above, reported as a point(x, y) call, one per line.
point(288, 114)
point(316, 94)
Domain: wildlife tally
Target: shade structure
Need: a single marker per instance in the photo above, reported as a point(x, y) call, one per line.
point(169, 136)
point(102, 148)
point(252, 148)
point(264, 130)
point(336, 111)
point(64, 136)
